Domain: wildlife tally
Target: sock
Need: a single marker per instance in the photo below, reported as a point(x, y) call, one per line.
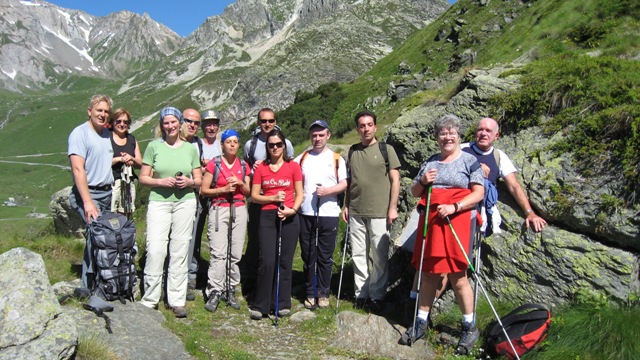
point(468, 318)
point(423, 315)
point(413, 294)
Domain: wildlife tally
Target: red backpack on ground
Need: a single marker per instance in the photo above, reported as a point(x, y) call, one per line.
point(527, 326)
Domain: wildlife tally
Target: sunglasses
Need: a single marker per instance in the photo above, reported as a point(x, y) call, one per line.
point(278, 145)
point(126, 122)
point(189, 121)
point(270, 121)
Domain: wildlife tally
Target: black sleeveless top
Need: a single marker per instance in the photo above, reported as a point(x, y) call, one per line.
point(129, 147)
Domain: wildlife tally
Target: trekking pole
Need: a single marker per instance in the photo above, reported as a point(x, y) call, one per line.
point(315, 264)
point(232, 220)
point(344, 254)
point(484, 291)
point(125, 190)
point(476, 245)
point(424, 242)
point(278, 263)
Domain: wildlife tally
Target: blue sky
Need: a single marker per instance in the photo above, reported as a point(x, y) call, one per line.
point(183, 17)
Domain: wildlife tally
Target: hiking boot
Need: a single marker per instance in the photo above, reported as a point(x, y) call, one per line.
point(310, 303)
point(468, 337)
point(191, 284)
point(284, 312)
point(180, 311)
point(360, 302)
point(190, 296)
point(231, 300)
point(410, 336)
point(213, 301)
point(255, 315)
point(323, 302)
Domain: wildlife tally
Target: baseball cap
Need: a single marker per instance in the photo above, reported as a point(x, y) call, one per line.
point(210, 115)
point(321, 123)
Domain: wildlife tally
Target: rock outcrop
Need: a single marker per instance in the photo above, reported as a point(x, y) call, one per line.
point(32, 323)
point(376, 336)
point(589, 247)
point(65, 219)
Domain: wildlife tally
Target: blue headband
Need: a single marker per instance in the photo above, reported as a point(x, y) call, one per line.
point(229, 133)
point(171, 111)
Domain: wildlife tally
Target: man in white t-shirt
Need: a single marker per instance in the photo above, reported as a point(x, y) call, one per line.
point(325, 179)
point(499, 165)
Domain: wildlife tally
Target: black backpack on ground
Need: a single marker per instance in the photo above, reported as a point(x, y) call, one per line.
point(113, 238)
point(526, 326)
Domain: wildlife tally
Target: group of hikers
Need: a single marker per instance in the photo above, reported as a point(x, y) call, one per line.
point(277, 199)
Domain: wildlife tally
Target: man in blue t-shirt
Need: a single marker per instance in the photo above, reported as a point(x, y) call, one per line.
point(90, 154)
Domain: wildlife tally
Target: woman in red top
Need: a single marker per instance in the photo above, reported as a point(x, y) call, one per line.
point(277, 185)
point(227, 183)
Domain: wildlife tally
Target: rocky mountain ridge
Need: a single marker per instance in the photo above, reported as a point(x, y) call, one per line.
point(255, 54)
point(43, 44)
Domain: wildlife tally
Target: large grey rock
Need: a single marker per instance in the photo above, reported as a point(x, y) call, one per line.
point(137, 332)
point(65, 219)
point(376, 336)
point(591, 243)
point(555, 265)
point(32, 323)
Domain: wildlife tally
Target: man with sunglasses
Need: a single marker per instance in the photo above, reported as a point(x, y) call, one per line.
point(192, 120)
point(255, 152)
point(209, 149)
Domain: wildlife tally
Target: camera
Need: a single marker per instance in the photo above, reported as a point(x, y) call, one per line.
point(179, 173)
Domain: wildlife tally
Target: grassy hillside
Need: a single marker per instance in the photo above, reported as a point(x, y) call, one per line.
point(583, 71)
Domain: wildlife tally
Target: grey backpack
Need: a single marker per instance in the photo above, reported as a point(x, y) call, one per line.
point(113, 237)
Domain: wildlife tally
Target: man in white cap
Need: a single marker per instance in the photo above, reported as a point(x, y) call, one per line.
point(210, 149)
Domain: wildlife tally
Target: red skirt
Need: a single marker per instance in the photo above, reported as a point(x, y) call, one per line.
point(442, 254)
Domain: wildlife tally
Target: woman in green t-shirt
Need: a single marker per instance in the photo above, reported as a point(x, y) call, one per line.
point(171, 167)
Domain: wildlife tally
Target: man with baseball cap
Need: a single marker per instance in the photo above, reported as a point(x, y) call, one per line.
point(325, 178)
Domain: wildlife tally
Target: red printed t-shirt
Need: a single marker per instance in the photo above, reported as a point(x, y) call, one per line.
point(281, 180)
point(225, 173)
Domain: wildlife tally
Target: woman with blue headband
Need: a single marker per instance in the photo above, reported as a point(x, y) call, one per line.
point(171, 167)
point(226, 181)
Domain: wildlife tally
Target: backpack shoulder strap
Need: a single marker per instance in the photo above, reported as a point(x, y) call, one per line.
point(385, 154)
point(199, 141)
point(336, 161)
point(496, 155)
point(252, 149)
point(243, 164)
point(304, 156)
point(216, 170)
